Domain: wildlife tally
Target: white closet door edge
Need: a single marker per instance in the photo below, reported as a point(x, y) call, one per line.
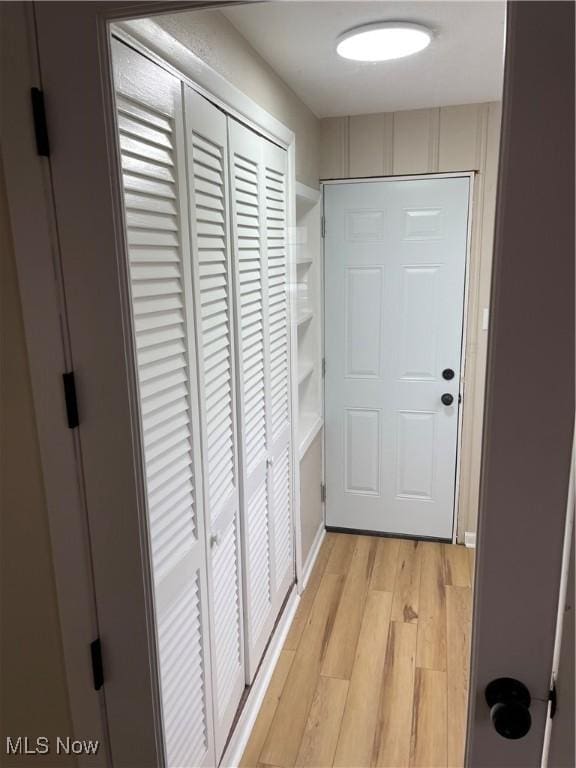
point(241, 733)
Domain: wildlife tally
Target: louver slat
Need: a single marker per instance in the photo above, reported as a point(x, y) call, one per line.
point(158, 254)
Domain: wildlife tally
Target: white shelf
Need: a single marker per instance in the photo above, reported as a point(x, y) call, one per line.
point(308, 427)
point(306, 196)
point(304, 316)
point(304, 261)
point(305, 369)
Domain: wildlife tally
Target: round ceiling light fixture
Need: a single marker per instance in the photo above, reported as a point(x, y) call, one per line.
point(383, 41)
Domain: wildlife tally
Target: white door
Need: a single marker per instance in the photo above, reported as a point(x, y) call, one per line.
point(151, 134)
point(207, 151)
point(395, 257)
point(258, 181)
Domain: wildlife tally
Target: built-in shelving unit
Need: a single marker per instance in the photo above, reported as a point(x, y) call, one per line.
point(309, 313)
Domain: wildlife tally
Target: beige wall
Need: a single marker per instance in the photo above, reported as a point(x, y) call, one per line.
point(457, 138)
point(34, 699)
point(216, 41)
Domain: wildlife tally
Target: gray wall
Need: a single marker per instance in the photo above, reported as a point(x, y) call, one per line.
point(34, 698)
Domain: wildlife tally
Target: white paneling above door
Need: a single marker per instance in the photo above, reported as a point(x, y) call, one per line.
point(395, 257)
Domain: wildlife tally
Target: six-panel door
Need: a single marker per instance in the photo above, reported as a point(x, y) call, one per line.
point(395, 256)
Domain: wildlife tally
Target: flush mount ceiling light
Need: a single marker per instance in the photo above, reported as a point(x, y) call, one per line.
point(383, 41)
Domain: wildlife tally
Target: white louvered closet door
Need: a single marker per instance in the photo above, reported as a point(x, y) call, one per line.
point(274, 170)
point(259, 234)
point(206, 137)
point(150, 122)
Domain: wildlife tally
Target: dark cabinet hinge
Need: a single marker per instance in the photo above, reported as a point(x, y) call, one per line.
point(322, 491)
point(40, 125)
point(323, 226)
point(71, 399)
point(97, 666)
point(552, 698)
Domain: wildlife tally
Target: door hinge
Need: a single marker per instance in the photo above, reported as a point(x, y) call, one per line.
point(97, 665)
point(71, 399)
point(323, 492)
point(323, 366)
point(552, 698)
point(40, 124)
point(323, 226)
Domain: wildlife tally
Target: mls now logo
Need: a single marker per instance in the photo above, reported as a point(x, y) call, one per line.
point(23, 745)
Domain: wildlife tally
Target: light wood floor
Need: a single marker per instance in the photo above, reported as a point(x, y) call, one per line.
point(374, 671)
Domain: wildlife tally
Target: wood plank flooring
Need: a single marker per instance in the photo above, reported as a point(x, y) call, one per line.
point(374, 670)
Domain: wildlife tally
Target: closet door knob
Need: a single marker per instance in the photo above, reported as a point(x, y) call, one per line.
point(509, 702)
point(447, 398)
point(214, 540)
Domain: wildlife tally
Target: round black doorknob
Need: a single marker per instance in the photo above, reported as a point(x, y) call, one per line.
point(509, 702)
point(447, 374)
point(447, 399)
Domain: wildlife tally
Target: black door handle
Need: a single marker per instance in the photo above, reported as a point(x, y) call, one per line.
point(447, 398)
point(447, 374)
point(509, 702)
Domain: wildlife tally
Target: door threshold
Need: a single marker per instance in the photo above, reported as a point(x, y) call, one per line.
point(362, 532)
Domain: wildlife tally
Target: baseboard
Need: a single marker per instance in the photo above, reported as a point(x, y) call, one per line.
point(247, 718)
point(470, 539)
point(312, 555)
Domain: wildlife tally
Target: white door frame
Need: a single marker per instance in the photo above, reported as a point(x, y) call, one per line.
point(471, 176)
point(64, 262)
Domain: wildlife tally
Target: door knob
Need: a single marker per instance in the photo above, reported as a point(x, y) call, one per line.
point(447, 374)
point(509, 702)
point(447, 398)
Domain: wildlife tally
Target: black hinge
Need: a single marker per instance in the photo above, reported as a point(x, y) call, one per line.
point(71, 400)
point(40, 125)
point(323, 226)
point(553, 700)
point(97, 666)
point(322, 491)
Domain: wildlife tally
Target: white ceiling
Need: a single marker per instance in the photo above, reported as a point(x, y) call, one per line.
point(463, 64)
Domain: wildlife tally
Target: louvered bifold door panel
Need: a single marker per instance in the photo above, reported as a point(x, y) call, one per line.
point(150, 123)
point(274, 170)
point(251, 298)
point(206, 141)
point(258, 173)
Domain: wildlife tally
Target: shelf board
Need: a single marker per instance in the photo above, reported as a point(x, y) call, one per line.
point(306, 196)
point(305, 261)
point(309, 424)
point(305, 369)
point(304, 316)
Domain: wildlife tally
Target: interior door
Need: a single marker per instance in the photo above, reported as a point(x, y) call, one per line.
point(151, 135)
point(258, 184)
point(207, 152)
point(395, 258)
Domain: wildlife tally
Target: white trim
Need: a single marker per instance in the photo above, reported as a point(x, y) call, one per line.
point(313, 554)
point(406, 177)
point(470, 175)
point(470, 539)
point(249, 713)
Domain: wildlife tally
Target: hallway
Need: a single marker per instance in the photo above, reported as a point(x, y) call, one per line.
point(375, 665)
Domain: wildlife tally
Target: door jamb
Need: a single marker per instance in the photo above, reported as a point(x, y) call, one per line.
point(471, 176)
